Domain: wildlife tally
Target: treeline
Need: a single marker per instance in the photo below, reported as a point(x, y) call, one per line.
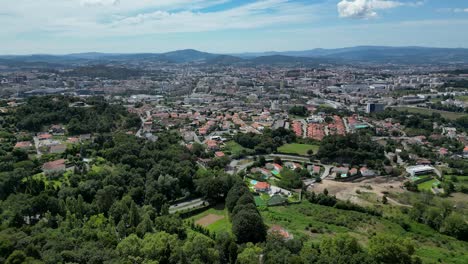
point(101, 117)
point(247, 223)
point(267, 142)
point(353, 149)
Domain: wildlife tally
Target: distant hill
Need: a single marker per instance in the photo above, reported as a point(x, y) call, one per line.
point(188, 55)
point(379, 54)
point(360, 54)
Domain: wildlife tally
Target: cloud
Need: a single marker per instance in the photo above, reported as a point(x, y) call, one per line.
point(460, 10)
point(99, 2)
point(365, 9)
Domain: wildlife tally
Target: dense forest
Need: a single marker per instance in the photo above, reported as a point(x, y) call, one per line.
point(354, 149)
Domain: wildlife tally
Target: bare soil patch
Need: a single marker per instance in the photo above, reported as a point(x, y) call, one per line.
point(209, 219)
point(350, 190)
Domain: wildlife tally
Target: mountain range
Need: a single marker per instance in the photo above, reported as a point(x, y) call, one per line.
point(360, 54)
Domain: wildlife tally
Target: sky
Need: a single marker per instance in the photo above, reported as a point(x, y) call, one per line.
point(227, 26)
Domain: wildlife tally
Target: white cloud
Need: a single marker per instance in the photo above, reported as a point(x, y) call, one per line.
point(81, 18)
point(460, 10)
point(365, 9)
point(98, 2)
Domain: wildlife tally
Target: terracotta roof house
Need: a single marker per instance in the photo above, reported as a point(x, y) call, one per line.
point(52, 166)
point(262, 187)
point(366, 172)
point(23, 145)
point(353, 171)
point(212, 144)
point(44, 136)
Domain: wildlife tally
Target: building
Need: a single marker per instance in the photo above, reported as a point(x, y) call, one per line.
point(262, 187)
point(23, 145)
point(375, 108)
point(54, 166)
point(419, 170)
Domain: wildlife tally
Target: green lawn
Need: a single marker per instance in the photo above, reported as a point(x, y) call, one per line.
point(299, 149)
point(235, 149)
point(427, 111)
point(220, 225)
point(427, 185)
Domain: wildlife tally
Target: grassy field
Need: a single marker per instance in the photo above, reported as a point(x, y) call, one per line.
point(314, 222)
point(427, 185)
point(427, 111)
point(299, 149)
point(235, 149)
point(220, 225)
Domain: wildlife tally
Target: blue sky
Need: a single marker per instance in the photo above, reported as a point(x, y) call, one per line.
point(227, 26)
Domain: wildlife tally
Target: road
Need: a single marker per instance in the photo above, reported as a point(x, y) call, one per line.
point(186, 205)
point(36, 144)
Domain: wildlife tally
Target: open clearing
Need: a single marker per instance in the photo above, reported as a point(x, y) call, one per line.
point(299, 149)
point(362, 191)
point(215, 219)
point(209, 219)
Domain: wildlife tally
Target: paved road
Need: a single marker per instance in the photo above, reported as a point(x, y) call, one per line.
point(186, 205)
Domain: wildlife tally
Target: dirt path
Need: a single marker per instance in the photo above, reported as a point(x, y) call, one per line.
point(209, 219)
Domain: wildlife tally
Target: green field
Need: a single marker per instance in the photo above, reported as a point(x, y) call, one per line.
point(427, 111)
point(314, 222)
point(427, 185)
point(298, 149)
point(220, 225)
point(235, 149)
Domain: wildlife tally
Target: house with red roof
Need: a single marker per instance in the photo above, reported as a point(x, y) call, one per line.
point(54, 166)
point(23, 145)
point(44, 136)
point(262, 187)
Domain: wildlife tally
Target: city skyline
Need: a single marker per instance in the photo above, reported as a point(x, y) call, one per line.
point(224, 26)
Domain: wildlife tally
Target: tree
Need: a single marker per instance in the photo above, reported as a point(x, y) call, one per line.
point(234, 194)
point(145, 226)
point(391, 249)
point(17, 257)
point(250, 254)
point(200, 249)
point(456, 226)
point(130, 246)
point(342, 249)
point(248, 226)
point(161, 247)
